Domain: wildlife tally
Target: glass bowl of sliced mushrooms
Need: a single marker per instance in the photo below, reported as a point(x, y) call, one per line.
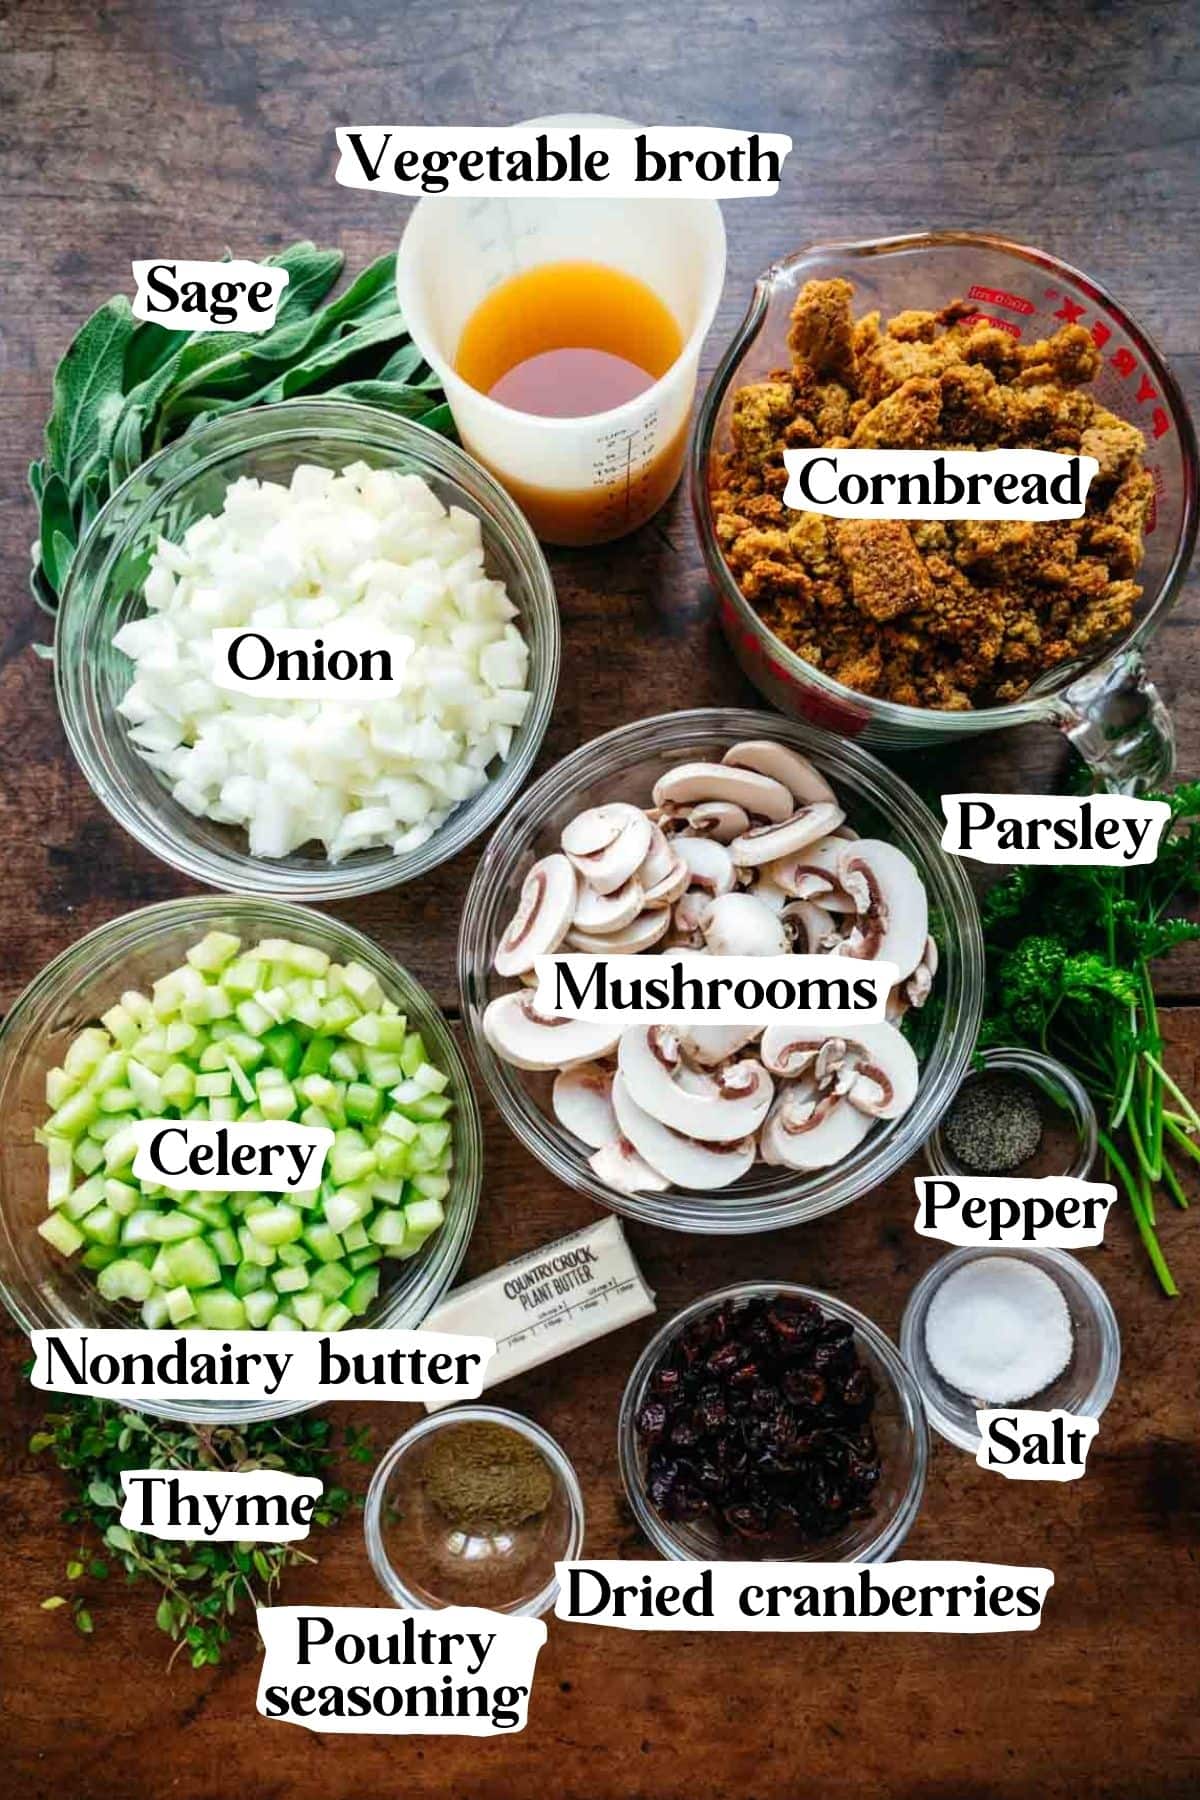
point(711, 833)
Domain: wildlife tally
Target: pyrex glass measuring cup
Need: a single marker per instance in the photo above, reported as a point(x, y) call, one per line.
point(587, 480)
point(1106, 705)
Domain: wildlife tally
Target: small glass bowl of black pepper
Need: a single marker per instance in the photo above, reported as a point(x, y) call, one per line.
point(1018, 1112)
point(770, 1421)
point(473, 1506)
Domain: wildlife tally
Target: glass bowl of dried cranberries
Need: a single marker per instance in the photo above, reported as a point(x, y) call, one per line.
point(772, 1421)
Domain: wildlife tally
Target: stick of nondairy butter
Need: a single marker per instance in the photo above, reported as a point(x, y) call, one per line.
point(548, 1302)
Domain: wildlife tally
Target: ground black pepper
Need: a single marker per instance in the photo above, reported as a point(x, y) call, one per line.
point(994, 1125)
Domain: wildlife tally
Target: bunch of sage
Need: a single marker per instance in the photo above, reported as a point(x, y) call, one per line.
point(124, 388)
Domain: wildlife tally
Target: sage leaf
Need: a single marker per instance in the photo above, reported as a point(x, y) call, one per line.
point(88, 384)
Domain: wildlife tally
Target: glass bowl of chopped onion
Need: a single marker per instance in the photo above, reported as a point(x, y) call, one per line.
point(210, 1007)
point(311, 515)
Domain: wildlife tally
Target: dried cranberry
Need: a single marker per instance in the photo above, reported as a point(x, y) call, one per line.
point(803, 1387)
point(748, 1521)
point(711, 1410)
point(652, 1420)
point(725, 1359)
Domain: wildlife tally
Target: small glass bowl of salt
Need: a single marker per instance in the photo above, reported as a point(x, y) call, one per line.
point(1008, 1327)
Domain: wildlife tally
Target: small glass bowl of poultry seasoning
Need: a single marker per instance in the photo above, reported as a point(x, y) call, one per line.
point(473, 1507)
point(1020, 1113)
point(771, 1421)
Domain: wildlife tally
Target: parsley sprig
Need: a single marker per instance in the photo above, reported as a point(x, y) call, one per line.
point(202, 1585)
point(1078, 985)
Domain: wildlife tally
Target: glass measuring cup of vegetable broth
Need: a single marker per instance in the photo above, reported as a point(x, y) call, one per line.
point(566, 333)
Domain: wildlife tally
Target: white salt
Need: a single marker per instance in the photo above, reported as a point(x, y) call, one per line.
point(998, 1329)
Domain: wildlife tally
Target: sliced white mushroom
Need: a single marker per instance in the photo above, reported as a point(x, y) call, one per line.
point(711, 1045)
point(806, 1133)
point(619, 1166)
point(544, 911)
point(809, 926)
point(893, 913)
point(608, 844)
point(680, 1160)
point(648, 1058)
point(582, 1101)
point(691, 912)
point(768, 843)
point(805, 783)
point(830, 1059)
point(887, 1073)
point(812, 874)
point(719, 819)
point(788, 1050)
point(898, 1003)
point(691, 783)
point(770, 895)
point(528, 1040)
point(601, 913)
point(660, 858)
point(631, 940)
point(672, 886)
point(709, 864)
point(739, 925)
point(920, 983)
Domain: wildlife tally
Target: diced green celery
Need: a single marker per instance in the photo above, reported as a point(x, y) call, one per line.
point(61, 1171)
point(173, 1227)
point(182, 1038)
point(86, 1051)
point(218, 1084)
point(387, 1193)
point(89, 1153)
point(338, 1014)
point(413, 1055)
point(213, 951)
point(101, 1226)
point(61, 1234)
point(147, 1088)
point(117, 1100)
point(259, 1308)
point(178, 1086)
point(146, 1254)
point(346, 1063)
point(120, 1024)
point(210, 1208)
point(242, 977)
point(431, 1106)
point(280, 1224)
point(430, 1187)
point(362, 1259)
point(253, 1018)
point(318, 1090)
point(252, 1250)
point(382, 1068)
point(323, 1241)
point(304, 1006)
point(331, 1279)
point(122, 1196)
point(287, 1280)
point(85, 1198)
point(140, 1227)
point(248, 1278)
point(363, 1103)
point(365, 1030)
point(391, 1031)
point(72, 1118)
point(180, 1305)
point(219, 1310)
point(312, 1115)
point(59, 1086)
point(423, 1217)
point(317, 1053)
point(224, 1108)
point(334, 1317)
point(283, 1322)
point(277, 1102)
point(226, 1248)
point(284, 1049)
point(389, 1228)
point(125, 1280)
point(431, 1146)
point(362, 986)
point(362, 1292)
point(391, 1158)
point(120, 1150)
point(346, 1205)
point(191, 1264)
point(350, 1158)
point(308, 1308)
point(241, 1081)
point(154, 1310)
point(98, 1256)
point(137, 1005)
point(355, 1237)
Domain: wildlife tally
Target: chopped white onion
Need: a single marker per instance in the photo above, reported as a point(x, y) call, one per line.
point(369, 548)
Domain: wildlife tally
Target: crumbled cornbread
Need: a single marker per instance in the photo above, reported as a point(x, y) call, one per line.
point(952, 614)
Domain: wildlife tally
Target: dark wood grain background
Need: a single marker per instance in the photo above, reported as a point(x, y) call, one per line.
point(138, 129)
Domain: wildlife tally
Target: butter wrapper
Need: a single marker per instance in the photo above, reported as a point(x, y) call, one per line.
point(551, 1301)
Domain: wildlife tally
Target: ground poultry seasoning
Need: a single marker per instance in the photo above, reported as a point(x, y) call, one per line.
point(948, 615)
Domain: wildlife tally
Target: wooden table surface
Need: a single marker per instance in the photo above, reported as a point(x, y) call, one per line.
point(136, 129)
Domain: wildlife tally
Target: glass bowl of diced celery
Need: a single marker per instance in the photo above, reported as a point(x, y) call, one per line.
point(231, 1010)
